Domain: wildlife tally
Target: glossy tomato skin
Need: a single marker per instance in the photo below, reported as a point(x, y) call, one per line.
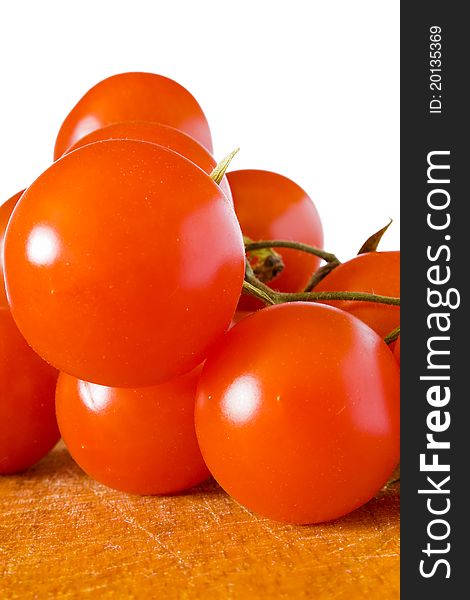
point(373, 272)
point(123, 264)
point(5, 212)
point(134, 97)
point(140, 441)
point(297, 413)
point(28, 427)
point(270, 206)
point(163, 135)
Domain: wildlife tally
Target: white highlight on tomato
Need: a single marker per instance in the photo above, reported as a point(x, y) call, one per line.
point(242, 399)
point(43, 246)
point(94, 396)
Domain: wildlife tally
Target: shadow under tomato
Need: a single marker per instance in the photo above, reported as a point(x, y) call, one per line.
point(56, 461)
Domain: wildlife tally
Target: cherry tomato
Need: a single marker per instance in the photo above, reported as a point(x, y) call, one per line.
point(140, 441)
point(123, 264)
point(28, 427)
point(5, 212)
point(373, 272)
point(396, 350)
point(163, 135)
point(297, 412)
point(270, 206)
point(134, 97)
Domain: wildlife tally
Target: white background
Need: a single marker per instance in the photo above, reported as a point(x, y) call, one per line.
point(306, 88)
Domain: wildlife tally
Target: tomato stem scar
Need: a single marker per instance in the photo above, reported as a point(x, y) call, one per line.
point(266, 262)
point(331, 260)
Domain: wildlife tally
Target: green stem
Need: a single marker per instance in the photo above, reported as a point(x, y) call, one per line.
point(254, 287)
point(320, 274)
point(331, 260)
point(251, 278)
point(327, 256)
point(328, 296)
point(257, 293)
point(392, 336)
point(260, 290)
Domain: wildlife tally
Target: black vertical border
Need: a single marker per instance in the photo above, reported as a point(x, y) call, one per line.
point(421, 133)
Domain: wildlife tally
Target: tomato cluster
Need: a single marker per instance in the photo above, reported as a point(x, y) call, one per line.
point(125, 266)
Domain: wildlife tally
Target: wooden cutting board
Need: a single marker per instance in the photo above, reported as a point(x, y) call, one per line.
point(63, 535)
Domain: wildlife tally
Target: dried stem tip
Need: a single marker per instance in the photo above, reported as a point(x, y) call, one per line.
point(220, 170)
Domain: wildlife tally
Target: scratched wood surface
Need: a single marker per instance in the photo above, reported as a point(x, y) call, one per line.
point(63, 535)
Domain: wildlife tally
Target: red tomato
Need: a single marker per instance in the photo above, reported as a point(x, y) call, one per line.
point(134, 97)
point(5, 212)
point(396, 350)
point(271, 207)
point(123, 264)
point(28, 427)
point(297, 413)
point(169, 137)
point(374, 272)
point(140, 441)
